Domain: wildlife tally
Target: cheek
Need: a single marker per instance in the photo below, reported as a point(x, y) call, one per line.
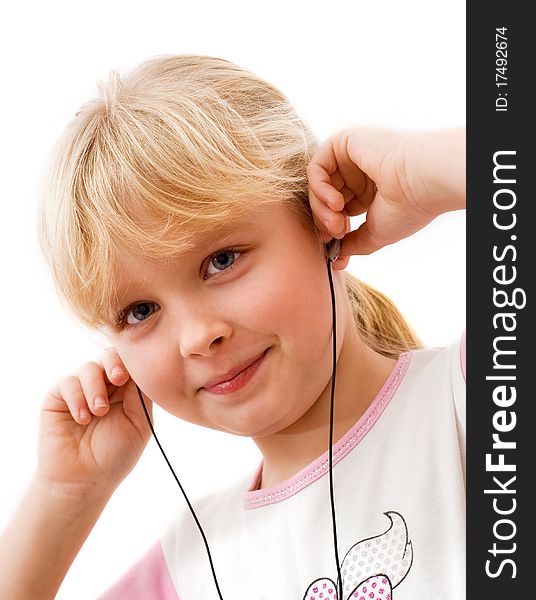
point(148, 364)
point(291, 300)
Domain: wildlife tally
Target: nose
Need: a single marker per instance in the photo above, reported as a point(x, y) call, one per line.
point(201, 330)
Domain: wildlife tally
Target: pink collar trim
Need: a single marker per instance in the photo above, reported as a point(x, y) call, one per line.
point(255, 498)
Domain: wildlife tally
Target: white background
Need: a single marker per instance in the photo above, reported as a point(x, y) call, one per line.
point(399, 64)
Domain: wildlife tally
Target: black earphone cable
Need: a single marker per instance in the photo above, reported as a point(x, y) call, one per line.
point(183, 493)
point(334, 250)
point(331, 258)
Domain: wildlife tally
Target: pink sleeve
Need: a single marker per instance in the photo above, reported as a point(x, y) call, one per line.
point(463, 355)
point(148, 578)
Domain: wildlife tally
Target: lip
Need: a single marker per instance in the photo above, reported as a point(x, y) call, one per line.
point(237, 378)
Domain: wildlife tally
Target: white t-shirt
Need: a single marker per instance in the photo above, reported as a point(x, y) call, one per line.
point(399, 489)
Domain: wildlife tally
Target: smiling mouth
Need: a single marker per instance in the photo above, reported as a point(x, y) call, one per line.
point(238, 380)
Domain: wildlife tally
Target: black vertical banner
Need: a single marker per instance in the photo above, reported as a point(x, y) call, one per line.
point(501, 331)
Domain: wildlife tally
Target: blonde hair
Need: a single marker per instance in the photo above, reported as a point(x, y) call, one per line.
point(181, 145)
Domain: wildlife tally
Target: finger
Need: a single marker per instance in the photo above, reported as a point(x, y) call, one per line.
point(326, 220)
point(339, 232)
point(337, 224)
point(362, 241)
point(348, 195)
point(336, 180)
point(91, 376)
point(69, 393)
point(354, 203)
point(353, 176)
point(332, 164)
point(331, 222)
point(319, 171)
point(114, 367)
point(327, 195)
point(357, 205)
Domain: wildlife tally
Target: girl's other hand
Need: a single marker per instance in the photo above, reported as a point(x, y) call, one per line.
point(93, 429)
point(401, 180)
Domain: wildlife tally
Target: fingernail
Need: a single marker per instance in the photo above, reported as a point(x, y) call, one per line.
point(100, 402)
point(117, 372)
point(83, 414)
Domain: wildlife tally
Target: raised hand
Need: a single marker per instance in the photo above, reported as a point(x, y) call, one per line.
point(93, 429)
point(401, 180)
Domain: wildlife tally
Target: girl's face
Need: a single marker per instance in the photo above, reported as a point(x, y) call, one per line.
point(258, 288)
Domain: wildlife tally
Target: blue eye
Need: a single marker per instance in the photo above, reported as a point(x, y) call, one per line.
point(135, 314)
point(222, 261)
point(140, 312)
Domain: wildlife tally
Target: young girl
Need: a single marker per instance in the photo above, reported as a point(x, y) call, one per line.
point(187, 218)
